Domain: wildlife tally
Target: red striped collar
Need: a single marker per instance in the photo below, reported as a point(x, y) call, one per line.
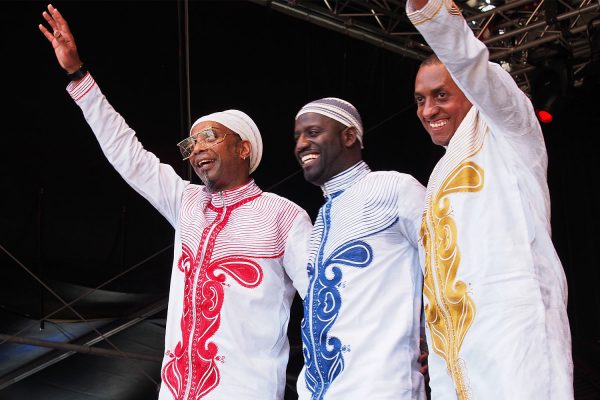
point(233, 196)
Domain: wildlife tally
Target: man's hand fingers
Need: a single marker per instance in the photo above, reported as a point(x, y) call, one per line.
point(50, 20)
point(46, 33)
point(59, 25)
point(58, 18)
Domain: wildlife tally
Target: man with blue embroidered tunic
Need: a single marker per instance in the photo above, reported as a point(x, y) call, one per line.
point(494, 288)
point(361, 323)
point(238, 250)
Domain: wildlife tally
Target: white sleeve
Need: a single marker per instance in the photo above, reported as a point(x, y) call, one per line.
point(295, 258)
point(487, 85)
point(411, 195)
point(142, 170)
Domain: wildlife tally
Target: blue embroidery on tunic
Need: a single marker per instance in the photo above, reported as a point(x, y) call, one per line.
point(323, 353)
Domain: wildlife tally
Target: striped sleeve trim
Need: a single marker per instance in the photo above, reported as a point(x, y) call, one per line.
point(454, 10)
point(427, 13)
point(78, 89)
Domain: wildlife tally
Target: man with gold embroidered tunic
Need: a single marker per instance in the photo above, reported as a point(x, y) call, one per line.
point(494, 288)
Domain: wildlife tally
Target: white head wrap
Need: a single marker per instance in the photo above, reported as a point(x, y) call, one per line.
point(337, 109)
point(241, 124)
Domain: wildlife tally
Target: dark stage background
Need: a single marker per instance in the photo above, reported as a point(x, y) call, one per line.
point(70, 220)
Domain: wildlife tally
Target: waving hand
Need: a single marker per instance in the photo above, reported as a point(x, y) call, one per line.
point(62, 40)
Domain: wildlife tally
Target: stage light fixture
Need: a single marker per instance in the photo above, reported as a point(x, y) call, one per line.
point(544, 116)
point(552, 80)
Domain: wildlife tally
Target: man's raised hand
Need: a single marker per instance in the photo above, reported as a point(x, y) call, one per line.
point(62, 40)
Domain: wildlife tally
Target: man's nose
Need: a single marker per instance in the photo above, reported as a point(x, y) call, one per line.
point(199, 147)
point(301, 143)
point(430, 109)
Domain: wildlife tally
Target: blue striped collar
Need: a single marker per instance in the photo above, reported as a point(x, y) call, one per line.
point(345, 179)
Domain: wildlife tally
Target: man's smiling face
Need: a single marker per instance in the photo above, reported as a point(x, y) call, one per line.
point(441, 105)
point(219, 165)
point(319, 147)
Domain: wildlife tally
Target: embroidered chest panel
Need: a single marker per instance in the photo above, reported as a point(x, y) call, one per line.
point(220, 246)
point(337, 243)
point(450, 309)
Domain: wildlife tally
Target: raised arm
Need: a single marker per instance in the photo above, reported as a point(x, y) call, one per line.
point(142, 170)
point(489, 87)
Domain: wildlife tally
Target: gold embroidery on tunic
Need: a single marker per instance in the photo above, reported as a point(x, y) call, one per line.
point(453, 8)
point(451, 310)
point(427, 13)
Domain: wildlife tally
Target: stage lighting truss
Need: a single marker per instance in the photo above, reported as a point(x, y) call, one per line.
point(511, 29)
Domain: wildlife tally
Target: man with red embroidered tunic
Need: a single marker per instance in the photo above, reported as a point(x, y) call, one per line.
point(239, 252)
point(494, 288)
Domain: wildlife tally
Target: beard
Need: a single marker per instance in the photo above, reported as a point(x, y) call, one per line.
point(206, 181)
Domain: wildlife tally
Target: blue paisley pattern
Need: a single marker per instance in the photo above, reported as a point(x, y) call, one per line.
point(323, 354)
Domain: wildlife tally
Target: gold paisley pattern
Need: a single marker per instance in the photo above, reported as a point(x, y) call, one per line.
point(451, 310)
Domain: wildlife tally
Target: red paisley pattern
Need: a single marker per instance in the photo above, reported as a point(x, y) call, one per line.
point(192, 370)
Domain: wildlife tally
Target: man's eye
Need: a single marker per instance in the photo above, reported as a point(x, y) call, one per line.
point(208, 136)
point(418, 100)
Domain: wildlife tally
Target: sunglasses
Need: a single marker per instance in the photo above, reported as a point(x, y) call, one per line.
point(206, 138)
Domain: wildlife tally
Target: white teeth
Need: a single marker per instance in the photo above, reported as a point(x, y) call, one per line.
point(309, 157)
point(203, 162)
point(438, 124)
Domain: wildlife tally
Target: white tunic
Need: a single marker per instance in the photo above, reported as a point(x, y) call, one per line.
point(495, 291)
point(362, 310)
point(236, 254)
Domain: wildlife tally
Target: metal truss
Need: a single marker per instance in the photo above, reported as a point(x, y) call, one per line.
point(83, 345)
point(520, 34)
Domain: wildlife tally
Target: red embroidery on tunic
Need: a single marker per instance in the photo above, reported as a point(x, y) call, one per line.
point(202, 313)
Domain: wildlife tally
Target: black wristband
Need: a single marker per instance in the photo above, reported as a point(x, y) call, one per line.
point(79, 74)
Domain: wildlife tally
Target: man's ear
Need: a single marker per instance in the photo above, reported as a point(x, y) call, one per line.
point(245, 148)
point(349, 136)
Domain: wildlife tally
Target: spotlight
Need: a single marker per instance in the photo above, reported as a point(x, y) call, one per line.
point(546, 102)
point(544, 116)
point(552, 80)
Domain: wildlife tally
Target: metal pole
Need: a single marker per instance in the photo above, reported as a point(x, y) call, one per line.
point(78, 348)
point(346, 30)
point(541, 24)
